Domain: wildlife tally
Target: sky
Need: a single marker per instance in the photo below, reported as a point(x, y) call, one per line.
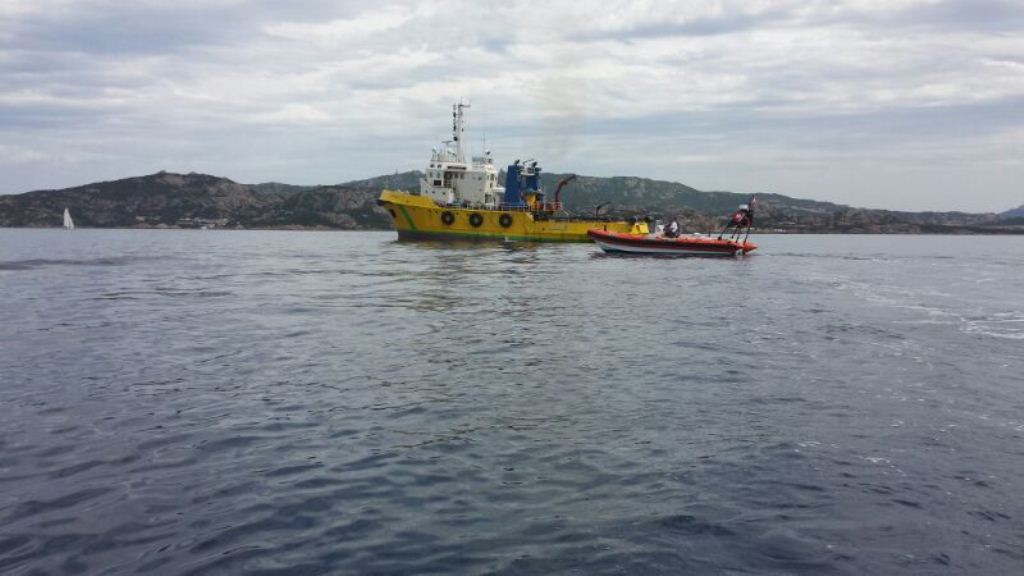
point(899, 104)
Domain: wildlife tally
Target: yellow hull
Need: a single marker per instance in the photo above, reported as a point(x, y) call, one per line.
point(419, 218)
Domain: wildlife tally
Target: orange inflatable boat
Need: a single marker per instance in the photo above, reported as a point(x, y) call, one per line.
point(622, 243)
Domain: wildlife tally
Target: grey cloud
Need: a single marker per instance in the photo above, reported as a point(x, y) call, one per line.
point(976, 15)
point(833, 129)
point(58, 73)
point(992, 15)
point(130, 28)
point(37, 117)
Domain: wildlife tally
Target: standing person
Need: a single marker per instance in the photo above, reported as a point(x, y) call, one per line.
point(749, 221)
point(742, 218)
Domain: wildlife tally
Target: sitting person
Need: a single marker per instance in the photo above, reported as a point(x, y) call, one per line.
point(673, 229)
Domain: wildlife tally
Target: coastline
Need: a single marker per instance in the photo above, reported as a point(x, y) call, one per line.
point(771, 231)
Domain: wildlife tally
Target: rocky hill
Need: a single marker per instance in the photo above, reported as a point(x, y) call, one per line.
point(704, 211)
point(198, 200)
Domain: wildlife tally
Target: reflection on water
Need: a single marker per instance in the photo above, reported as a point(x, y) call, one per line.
point(224, 402)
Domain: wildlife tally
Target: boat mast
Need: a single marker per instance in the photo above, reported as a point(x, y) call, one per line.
point(457, 130)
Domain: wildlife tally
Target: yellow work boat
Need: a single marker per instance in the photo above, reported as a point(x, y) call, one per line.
point(460, 200)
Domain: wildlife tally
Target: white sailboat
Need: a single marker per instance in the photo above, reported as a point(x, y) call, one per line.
point(69, 224)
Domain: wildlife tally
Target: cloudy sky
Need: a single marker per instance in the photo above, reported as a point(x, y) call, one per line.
point(905, 104)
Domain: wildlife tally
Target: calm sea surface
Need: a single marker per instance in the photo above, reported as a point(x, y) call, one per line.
point(329, 403)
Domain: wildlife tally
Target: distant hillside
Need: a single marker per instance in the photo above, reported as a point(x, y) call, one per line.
point(397, 181)
point(699, 210)
point(198, 200)
point(634, 195)
point(1017, 212)
point(278, 189)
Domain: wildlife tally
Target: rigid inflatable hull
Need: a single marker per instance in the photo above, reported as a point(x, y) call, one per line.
point(620, 243)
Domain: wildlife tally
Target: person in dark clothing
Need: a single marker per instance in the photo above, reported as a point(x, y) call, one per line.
point(672, 231)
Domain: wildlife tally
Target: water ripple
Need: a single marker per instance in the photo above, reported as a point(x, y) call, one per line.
point(300, 403)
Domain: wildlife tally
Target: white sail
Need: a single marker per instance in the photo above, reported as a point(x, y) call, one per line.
point(69, 224)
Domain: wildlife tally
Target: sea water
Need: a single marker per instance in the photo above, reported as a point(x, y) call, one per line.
point(211, 402)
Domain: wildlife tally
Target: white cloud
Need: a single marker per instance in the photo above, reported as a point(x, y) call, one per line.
point(300, 113)
point(20, 155)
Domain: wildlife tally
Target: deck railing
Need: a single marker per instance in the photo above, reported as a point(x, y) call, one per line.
point(540, 207)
